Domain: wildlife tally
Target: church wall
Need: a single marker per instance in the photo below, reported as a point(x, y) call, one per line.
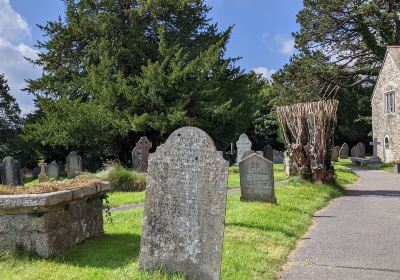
point(387, 124)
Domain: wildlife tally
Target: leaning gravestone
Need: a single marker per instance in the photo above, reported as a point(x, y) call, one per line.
point(11, 172)
point(140, 154)
point(335, 153)
point(73, 165)
point(344, 151)
point(184, 212)
point(257, 179)
point(242, 145)
point(53, 170)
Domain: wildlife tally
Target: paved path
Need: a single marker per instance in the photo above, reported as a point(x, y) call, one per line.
point(355, 237)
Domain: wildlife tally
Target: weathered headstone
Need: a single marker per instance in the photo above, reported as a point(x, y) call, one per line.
point(11, 172)
point(42, 177)
point(53, 170)
point(140, 154)
point(335, 153)
point(242, 145)
point(278, 157)
point(247, 154)
point(358, 151)
point(73, 165)
point(344, 151)
point(184, 212)
point(257, 179)
point(269, 153)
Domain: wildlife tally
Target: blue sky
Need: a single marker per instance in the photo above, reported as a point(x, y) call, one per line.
point(261, 35)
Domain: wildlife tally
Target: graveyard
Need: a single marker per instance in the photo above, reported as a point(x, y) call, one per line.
point(199, 139)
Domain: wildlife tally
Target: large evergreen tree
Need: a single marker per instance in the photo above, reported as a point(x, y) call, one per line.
point(9, 118)
point(117, 69)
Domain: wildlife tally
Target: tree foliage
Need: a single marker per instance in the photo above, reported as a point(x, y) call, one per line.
point(115, 70)
point(10, 120)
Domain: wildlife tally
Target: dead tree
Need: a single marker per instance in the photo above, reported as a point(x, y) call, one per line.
point(308, 129)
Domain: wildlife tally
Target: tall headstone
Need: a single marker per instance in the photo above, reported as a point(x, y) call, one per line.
point(42, 177)
point(242, 145)
point(140, 154)
point(269, 153)
point(73, 165)
point(53, 170)
point(335, 153)
point(257, 179)
point(11, 172)
point(344, 151)
point(184, 212)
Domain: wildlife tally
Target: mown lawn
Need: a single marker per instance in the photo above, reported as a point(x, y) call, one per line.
point(258, 239)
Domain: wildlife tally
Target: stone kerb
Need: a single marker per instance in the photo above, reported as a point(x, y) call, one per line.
point(50, 223)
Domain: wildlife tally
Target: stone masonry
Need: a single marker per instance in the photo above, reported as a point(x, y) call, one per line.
point(50, 223)
point(387, 125)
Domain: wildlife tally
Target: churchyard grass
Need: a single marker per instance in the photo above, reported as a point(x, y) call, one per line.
point(258, 239)
point(116, 199)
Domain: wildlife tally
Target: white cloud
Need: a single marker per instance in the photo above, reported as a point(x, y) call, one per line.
point(265, 72)
point(14, 35)
point(286, 45)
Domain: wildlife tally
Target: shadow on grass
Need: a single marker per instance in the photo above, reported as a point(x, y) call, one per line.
point(263, 228)
point(108, 251)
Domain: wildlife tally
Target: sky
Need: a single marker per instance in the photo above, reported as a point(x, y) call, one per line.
point(261, 36)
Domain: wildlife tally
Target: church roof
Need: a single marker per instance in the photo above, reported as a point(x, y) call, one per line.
point(395, 53)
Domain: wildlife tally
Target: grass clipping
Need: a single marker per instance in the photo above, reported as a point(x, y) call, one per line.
point(49, 187)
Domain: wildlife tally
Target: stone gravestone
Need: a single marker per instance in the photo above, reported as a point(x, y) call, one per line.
point(358, 151)
point(42, 177)
point(140, 155)
point(335, 153)
point(26, 172)
point(184, 212)
point(53, 170)
point(269, 153)
point(11, 172)
point(242, 145)
point(344, 151)
point(257, 179)
point(73, 165)
point(361, 150)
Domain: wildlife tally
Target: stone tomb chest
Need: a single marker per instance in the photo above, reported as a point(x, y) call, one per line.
point(50, 223)
point(184, 214)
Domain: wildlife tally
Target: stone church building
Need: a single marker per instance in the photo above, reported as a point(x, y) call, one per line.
point(386, 107)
